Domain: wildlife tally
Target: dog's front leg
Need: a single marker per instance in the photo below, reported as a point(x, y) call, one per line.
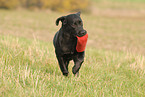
point(62, 66)
point(76, 67)
point(78, 60)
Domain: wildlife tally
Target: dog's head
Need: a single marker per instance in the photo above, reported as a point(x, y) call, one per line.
point(72, 24)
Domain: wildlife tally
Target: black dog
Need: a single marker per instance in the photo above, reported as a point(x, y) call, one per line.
point(66, 42)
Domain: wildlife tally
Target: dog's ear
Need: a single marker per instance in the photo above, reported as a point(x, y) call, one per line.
point(62, 19)
point(78, 13)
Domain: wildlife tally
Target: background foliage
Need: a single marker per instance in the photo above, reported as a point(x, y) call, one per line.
point(58, 5)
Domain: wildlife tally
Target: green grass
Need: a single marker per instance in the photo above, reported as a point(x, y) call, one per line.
point(114, 62)
point(29, 68)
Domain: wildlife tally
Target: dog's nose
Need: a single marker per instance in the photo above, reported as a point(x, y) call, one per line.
point(83, 32)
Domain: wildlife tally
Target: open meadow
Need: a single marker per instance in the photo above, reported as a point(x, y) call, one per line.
point(115, 55)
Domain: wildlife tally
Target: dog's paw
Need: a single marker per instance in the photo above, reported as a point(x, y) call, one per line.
point(77, 74)
point(65, 74)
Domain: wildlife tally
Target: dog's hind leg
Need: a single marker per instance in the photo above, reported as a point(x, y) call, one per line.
point(62, 65)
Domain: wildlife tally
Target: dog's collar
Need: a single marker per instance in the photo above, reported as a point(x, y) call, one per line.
point(81, 43)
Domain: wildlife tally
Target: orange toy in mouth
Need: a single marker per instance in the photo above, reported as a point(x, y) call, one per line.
point(81, 43)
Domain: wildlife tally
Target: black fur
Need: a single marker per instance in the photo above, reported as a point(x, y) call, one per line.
point(65, 42)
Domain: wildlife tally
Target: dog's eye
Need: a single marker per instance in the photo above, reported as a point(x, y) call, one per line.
point(75, 23)
point(80, 22)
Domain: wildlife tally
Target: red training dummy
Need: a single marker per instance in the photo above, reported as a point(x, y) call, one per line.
point(81, 43)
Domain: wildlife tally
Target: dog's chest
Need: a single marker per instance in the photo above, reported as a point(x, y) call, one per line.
point(68, 45)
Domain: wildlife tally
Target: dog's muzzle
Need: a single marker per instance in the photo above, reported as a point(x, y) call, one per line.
point(82, 33)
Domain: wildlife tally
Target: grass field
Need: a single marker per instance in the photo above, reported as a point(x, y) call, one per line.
point(114, 63)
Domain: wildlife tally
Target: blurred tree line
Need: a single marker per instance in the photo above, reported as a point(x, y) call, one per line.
point(57, 5)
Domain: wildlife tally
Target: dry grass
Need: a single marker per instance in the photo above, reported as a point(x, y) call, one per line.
point(111, 26)
point(117, 26)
